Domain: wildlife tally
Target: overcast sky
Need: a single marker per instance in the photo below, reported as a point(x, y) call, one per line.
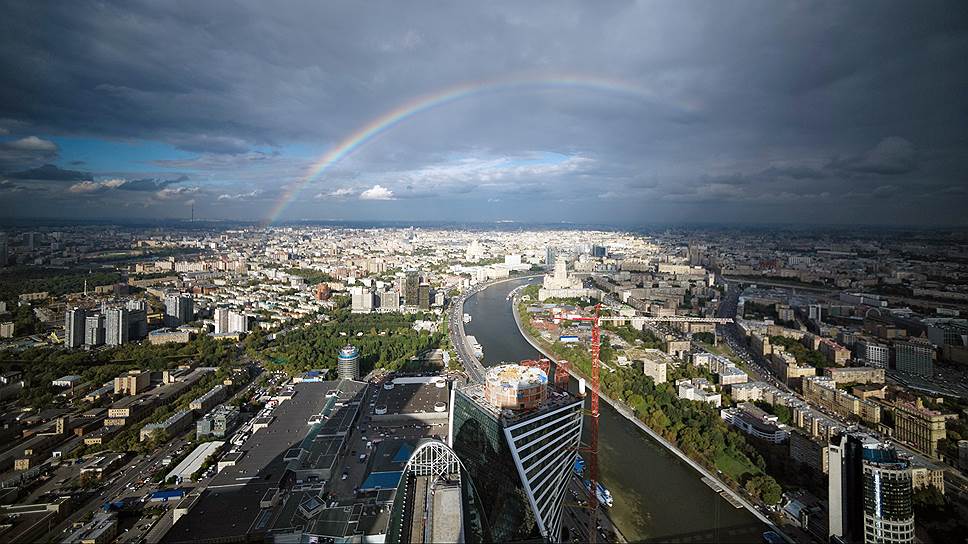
point(769, 111)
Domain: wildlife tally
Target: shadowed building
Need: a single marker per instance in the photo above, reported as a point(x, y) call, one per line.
point(436, 500)
point(870, 492)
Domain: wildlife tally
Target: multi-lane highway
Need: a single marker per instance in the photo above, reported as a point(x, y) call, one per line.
point(474, 368)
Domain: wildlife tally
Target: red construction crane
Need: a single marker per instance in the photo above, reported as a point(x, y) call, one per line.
point(591, 451)
point(591, 463)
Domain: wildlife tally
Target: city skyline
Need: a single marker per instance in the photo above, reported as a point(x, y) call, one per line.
point(626, 114)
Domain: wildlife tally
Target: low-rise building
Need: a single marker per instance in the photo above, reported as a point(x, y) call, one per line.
point(102, 465)
point(166, 336)
point(699, 390)
point(676, 348)
point(212, 397)
point(219, 422)
point(855, 374)
point(102, 529)
point(755, 422)
point(732, 375)
point(919, 427)
point(927, 475)
point(823, 391)
point(67, 381)
point(175, 423)
point(132, 383)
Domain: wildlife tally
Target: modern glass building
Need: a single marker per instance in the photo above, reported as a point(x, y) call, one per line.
point(870, 492)
point(888, 498)
point(520, 458)
point(348, 363)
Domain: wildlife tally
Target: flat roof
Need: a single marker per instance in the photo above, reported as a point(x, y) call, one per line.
point(229, 507)
point(412, 398)
point(195, 460)
point(447, 522)
point(381, 480)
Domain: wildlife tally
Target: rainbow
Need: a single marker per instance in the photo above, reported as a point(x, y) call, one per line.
point(423, 103)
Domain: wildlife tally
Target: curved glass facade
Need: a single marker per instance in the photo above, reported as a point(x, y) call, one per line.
point(519, 461)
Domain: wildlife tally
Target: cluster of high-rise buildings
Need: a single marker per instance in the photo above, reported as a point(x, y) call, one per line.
point(407, 291)
point(112, 326)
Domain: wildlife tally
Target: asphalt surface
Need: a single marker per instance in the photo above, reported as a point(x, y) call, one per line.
point(576, 515)
point(458, 339)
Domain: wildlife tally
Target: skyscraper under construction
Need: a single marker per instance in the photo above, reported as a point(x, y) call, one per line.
point(518, 438)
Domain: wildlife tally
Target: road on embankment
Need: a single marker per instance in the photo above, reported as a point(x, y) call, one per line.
point(657, 495)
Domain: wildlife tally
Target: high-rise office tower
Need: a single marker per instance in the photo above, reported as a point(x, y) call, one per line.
point(599, 251)
point(519, 439)
point(240, 322)
point(411, 288)
point(870, 492)
point(390, 301)
point(116, 326)
point(136, 304)
point(549, 257)
point(94, 330)
point(179, 309)
point(435, 486)
point(137, 319)
point(423, 296)
point(74, 328)
point(348, 363)
point(221, 318)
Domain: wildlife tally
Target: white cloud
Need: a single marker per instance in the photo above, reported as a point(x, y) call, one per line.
point(32, 143)
point(240, 196)
point(97, 186)
point(85, 187)
point(340, 194)
point(377, 192)
point(175, 193)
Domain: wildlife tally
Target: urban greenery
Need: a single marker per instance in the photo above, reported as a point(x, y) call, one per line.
point(56, 282)
point(694, 427)
point(40, 366)
point(384, 340)
point(310, 275)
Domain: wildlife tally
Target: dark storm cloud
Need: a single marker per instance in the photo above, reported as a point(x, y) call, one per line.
point(50, 172)
point(25, 152)
point(741, 104)
point(891, 156)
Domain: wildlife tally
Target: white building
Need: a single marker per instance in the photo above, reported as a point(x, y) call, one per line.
point(655, 367)
point(562, 285)
point(699, 390)
point(362, 300)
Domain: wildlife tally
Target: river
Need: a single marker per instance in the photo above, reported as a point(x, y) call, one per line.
point(657, 496)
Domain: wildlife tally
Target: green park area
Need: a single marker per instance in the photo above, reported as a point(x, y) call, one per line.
point(694, 427)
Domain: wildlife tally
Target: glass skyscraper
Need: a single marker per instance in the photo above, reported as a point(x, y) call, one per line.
point(870, 492)
point(520, 459)
point(348, 363)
